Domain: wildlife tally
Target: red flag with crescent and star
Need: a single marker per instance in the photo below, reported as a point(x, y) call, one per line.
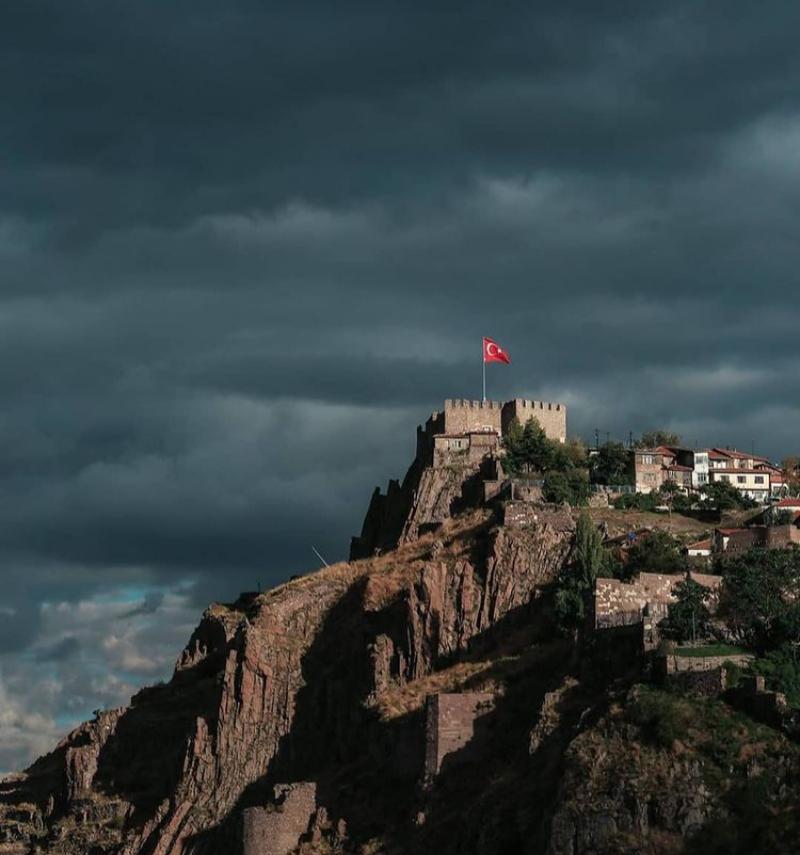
point(492, 352)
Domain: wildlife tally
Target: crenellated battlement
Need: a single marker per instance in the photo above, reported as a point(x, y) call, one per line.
point(551, 416)
point(464, 415)
point(524, 404)
point(465, 403)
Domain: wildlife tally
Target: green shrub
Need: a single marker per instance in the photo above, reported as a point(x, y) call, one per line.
point(663, 718)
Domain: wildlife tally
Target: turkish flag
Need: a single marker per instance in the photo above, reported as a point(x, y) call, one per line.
point(492, 352)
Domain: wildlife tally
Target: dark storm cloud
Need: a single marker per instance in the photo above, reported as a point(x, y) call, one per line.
point(246, 247)
point(62, 650)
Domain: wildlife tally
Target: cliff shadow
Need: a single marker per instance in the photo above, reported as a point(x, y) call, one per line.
point(142, 761)
point(368, 763)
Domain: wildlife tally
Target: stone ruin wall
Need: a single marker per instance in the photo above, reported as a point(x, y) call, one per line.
point(677, 664)
point(277, 829)
point(619, 603)
point(450, 726)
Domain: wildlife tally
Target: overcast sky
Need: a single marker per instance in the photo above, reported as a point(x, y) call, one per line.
point(246, 246)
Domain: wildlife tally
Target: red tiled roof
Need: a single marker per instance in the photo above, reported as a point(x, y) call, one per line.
point(788, 503)
point(678, 468)
point(701, 544)
point(713, 454)
point(718, 453)
point(739, 469)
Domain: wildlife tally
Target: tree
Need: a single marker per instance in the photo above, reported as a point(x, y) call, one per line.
point(611, 464)
point(655, 552)
point(791, 473)
point(781, 668)
point(761, 596)
point(529, 449)
point(688, 617)
point(654, 438)
point(577, 453)
point(571, 486)
point(667, 492)
point(725, 497)
point(589, 559)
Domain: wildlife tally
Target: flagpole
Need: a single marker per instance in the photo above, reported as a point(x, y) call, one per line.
point(483, 363)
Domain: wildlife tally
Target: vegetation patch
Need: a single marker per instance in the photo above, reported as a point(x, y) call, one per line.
point(704, 650)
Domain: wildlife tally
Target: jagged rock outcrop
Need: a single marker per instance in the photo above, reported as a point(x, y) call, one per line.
point(310, 699)
point(277, 687)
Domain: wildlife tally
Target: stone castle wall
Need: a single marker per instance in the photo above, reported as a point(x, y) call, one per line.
point(551, 417)
point(463, 416)
point(277, 828)
point(619, 603)
point(450, 725)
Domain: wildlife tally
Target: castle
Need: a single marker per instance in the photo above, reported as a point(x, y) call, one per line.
point(457, 458)
point(463, 425)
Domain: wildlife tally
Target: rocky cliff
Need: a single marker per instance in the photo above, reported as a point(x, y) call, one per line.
point(315, 693)
point(289, 685)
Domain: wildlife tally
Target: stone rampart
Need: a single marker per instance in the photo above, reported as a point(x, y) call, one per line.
point(463, 416)
point(677, 664)
point(450, 726)
point(619, 603)
point(551, 417)
point(277, 828)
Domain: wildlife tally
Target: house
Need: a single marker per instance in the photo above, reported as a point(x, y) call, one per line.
point(734, 541)
point(700, 549)
point(647, 465)
point(750, 474)
point(653, 467)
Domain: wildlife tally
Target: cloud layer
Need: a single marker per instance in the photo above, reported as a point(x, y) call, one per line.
point(245, 249)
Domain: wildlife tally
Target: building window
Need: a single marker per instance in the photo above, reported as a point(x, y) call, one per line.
point(702, 478)
point(724, 478)
point(740, 479)
point(647, 459)
point(759, 479)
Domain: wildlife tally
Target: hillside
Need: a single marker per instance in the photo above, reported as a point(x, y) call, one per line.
point(329, 682)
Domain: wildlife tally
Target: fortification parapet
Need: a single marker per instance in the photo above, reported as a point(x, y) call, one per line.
point(463, 416)
point(552, 417)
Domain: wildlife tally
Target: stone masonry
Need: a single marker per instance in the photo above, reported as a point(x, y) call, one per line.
point(277, 828)
point(450, 726)
point(551, 417)
point(462, 416)
point(619, 603)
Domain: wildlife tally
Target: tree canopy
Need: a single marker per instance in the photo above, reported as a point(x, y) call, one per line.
point(724, 496)
point(589, 560)
point(529, 449)
point(654, 438)
point(611, 464)
point(655, 552)
point(688, 617)
point(761, 596)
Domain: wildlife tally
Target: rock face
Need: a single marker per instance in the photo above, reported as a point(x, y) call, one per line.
point(295, 719)
point(279, 687)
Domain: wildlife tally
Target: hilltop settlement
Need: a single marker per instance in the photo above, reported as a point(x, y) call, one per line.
point(534, 647)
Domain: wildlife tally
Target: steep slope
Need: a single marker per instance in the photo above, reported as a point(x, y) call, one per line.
point(285, 686)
